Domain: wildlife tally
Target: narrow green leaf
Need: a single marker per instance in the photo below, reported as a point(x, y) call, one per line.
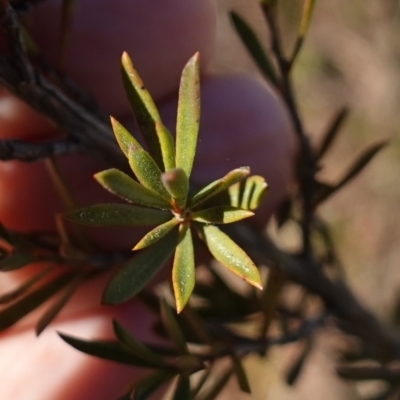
point(156, 234)
point(167, 146)
point(229, 254)
point(254, 47)
point(118, 215)
point(148, 385)
point(147, 171)
point(172, 327)
point(124, 138)
point(219, 185)
point(15, 261)
point(108, 350)
point(136, 347)
point(182, 391)
point(332, 131)
point(188, 119)
point(240, 373)
point(139, 271)
point(122, 185)
point(183, 270)
point(177, 184)
point(248, 193)
point(358, 166)
point(143, 107)
point(221, 215)
point(21, 290)
point(57, 306)
point(12, 314)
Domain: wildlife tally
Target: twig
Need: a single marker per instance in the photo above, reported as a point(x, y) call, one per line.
point(26, 151)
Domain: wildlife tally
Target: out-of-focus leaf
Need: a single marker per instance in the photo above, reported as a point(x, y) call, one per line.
point(15, 261)
point(358, 166)
point(156, 234)
point(4, 234)
point(229, 254)
point(219, 185)
point(182, 391)
point(177, 184)
point(183, 270)
point(118, 215)
point(148, 385)
point(272, 3)
point(202, 381)
point(119, 183)
point(188, 119)
point(218, 385)
point(332, 131)
point(158, 138)
point(197, 325)
point(253, 46)
point(57, 306)
point(172, 327)
point(270, 297)
point(308, 9)
point(21, 290)
point(147, 171)
point(137, 272)
point(136, 347)
point(28, 303)
point(221, 215)
point(298, 365)
point(108, 350)
point(364, 373)
point(240, 373)
point(284, 211)
point(248, 193)
point(124, 138)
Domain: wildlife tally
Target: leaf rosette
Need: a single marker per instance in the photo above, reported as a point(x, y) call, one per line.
point(161, 196)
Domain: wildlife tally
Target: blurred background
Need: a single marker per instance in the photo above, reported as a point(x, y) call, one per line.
point(351, 58)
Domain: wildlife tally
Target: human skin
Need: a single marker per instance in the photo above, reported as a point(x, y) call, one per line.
point(243, 123)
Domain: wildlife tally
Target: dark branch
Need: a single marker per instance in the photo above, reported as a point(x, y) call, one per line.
point(25, 151)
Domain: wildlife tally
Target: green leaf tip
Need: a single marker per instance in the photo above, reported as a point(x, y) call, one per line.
point(177, 184)
point(124, 138)
point(221, 215)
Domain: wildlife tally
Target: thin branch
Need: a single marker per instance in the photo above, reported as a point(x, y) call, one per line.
point(26, 151)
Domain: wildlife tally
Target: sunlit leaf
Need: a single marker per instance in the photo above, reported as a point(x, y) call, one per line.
point(145, 387)
point(21, 290)
point(147, 171)
point(124, 138)
point(156, 234)
point(188, 119)
point(221, 215)
point(248, 193)
point(183, 270)
point(108, 350)
point(136, 347)
point(240, 373)
point(177, 184)
point(146, 113)
point(172, 327)
point(13, 313)
point(118, 215)
point(229, 254)
point(57, 306)
point(254, 47)
point(182, 391)
point(332, 131)
point(167, 146)
point(219, 185)
point(15, 261)
point(139, 271)
point(122, 185)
